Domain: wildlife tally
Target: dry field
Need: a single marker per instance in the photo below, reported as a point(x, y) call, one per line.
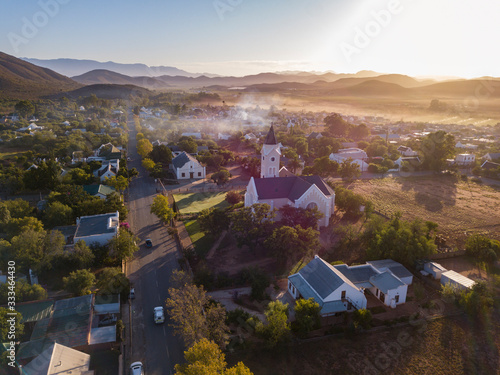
point(460, 208)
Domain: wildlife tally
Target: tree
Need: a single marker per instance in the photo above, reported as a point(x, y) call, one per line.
point(282, 243)
point(482, 248)
point(161, 154)
point(25, 108)
point(233, 197)
point(359, 132)
point(58, 214)
point(161, 208)
point(221, 177)
point(5, 325)
point(188, 144)
point(436, 148)
point(124, 245)
point(120, 183)
point(82, 255)
point(294, 165)
point(349, 170)
point(112, 280)
point(307, 315)
point(24, 292)
point(213, 221)
point(79, 282)
point(148, 164)
point(305, 217)
point(251, 224)
point(277, 329)
point(362, 318)
point(144, 147)
point(206, 358)
point(337, 125)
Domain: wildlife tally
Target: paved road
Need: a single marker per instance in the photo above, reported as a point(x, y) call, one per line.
point(150, 270)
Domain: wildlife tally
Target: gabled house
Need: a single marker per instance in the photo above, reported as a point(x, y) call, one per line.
point(31, 127)
point(251, 137)
point(186, 166)
point(109, 168)
point(489, 165)
point(97, 229)
point(412, 160)
point(106, 152)
point(223, 136)
point(328, 286)
point(407, 151)
point(491, 156)
point(357, 155)
point(464, 159)
point(101, 191)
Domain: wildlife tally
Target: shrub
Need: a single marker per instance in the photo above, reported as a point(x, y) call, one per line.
point(362, 318)
point(233, 197)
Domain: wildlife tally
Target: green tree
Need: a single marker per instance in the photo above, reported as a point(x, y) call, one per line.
point(161, 208)
point(282, 243)
point(82, 256)
point(124, 245)
point(221, 177)
point(213, 221)
point(58, 214)
point(233, 197)
point(24, 108)
point(436, 148)
point(120, 183)
point(307, 315)
point(144, 147)
point(188, 144)
point(277, 329)
point(148, 164)
point(349, 170)
point(24, 292)
point(250, 225)
point(79, 282)
point(482, 248)
point(161, 154)
point(337, 125)
point(5, 324)
point(206, 358)
point(305, 217)
point(362, 318)
point(111, 280)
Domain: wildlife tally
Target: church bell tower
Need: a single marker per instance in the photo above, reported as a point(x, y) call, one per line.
point(270, 156)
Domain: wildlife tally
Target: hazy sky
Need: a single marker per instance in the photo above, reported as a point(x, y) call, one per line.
point(416, 37)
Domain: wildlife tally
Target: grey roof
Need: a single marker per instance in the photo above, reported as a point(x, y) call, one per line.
point(95, 189)
point(333, 307)
point(292, 187)
point(358, 275)
point(58, 359)
point(492, 155)
point(180, 160)
point(396, 268)
point(174, 148)
point(490, 165)
point(271, 137)
point(386, 281)
point(93, 225)
point(323, 277)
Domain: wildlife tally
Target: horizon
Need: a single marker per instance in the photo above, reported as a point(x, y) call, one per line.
point(236, 38)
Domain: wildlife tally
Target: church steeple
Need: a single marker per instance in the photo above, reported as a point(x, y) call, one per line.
point(271, 137)
point(270, 156)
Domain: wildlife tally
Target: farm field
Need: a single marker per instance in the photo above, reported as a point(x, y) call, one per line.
point(459, 207)
point(192, 203)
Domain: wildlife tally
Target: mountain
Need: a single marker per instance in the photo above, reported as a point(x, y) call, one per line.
point(101, 76)
point(107, 91)
point(21, 79)
point(74, 67)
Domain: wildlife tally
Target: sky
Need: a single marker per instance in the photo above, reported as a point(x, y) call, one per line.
point(238, 37)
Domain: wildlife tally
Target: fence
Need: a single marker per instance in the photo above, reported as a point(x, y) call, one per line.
point(453, 254)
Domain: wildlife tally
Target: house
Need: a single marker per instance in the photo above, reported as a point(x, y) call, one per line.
point(109, 168)
point(66, 123)
point(412, 160)
point(357, 155)
point(101, 191)
point(77, 157)
point(98, 229)
point(185, 167)
point(467, 146)
point(397, 269)
point(278, 191)
point(251, 137)
point(192, 135)
point(456, 280)
point(106, 152)
point(328, 286)
point(465, 159)
point(31, 127)
point(492, 156)
point(314, 135)
point(223, 136)
point(59, 359)
point(176, 150)
point(407, 151)
point(434, 269)
point(489, 165)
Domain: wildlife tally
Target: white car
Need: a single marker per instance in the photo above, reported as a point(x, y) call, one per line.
point(159, 315)
point(136, 368)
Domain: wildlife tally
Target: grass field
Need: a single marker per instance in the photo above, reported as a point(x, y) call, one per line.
point(200, 240)
point(452, 346)
point(460, 208)
point(10, 154)
point(192, 203)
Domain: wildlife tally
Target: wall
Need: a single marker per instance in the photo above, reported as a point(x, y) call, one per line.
point(101, 239)
point(355, 295)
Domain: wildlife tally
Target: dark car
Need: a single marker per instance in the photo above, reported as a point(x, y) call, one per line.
point(149, 243)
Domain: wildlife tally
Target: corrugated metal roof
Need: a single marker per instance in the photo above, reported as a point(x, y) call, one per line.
point(396, 268)
point(333, 307)
point(456, 278)
point(34, 311)
point(292, 187)
point(357, 274)
point(304, 289)
point(180, 160)
point(386, 281)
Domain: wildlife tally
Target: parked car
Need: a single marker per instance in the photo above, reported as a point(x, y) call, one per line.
point(149, 243)
point(132, 293)
point(159, 315)
point(108, 320)
point(136, 368)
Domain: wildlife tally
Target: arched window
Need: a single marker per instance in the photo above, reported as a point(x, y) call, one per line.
point(312, 206)
point(273, 159)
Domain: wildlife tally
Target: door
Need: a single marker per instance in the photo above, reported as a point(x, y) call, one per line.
point(382, 296)
point(191, 174)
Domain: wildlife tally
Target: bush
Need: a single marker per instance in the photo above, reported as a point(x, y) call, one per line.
point(362, 318)
point(238, 317)
point(223, 280)
point(233, 197)
point(203, 276)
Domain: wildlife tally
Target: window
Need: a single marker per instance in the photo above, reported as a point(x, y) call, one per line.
point(397, 298)
point(263, 157)
point(199, 174)
point(312, 206)
point(183, 175)
point(343, 294)
point(273, 159)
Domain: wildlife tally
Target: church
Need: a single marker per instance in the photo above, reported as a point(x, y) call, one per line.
point(279, 187)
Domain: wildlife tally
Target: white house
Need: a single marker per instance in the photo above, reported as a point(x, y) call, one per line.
point(388, 288)
point(109, 168)
point(456, 280)
point(465, 159)
point(223, 136)
point(304, 191)
point(357, 155)
point(328, 286)
point(407, 151)
point(59, 359)
point(185, 166)
point(434, 269)
point(250, 137)
point(98, 229)
point(412, 160)
point(31, 127)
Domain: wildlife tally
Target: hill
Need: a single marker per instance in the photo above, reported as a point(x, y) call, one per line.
point(107, 91)
point(101, 76)
point(20, 79)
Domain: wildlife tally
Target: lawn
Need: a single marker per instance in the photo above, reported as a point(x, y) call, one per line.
point(200, 240)
point(11, 154)
point(192, 203)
